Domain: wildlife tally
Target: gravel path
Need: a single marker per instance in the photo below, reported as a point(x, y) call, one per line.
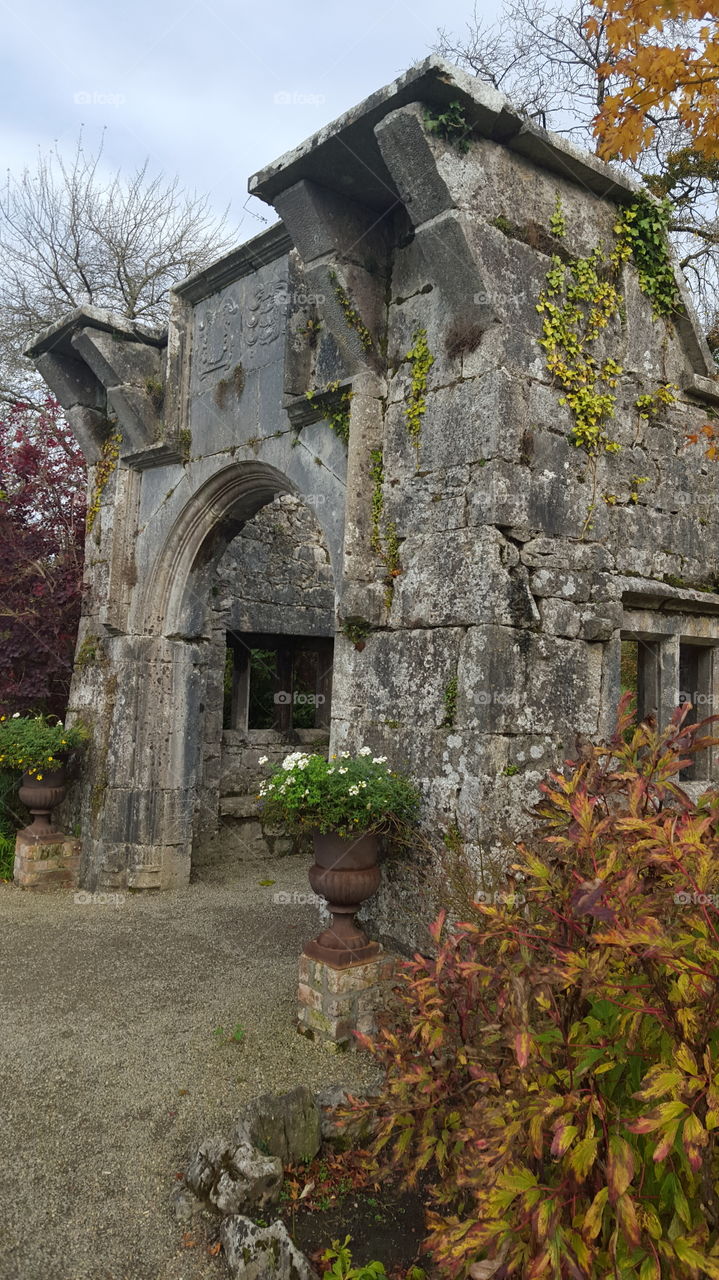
point(112, 1070)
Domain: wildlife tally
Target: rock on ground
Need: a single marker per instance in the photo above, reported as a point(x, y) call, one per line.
point(234, 1176)
point(262, 1253)
point(284, 1124)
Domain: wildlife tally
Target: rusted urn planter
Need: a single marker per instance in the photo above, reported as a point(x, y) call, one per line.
point(346, 873)
point(41, 796)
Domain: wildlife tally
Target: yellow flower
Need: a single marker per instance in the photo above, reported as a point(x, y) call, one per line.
point(39, 777)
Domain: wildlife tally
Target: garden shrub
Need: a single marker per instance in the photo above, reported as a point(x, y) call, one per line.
point(13, 816)
point(557, 1083)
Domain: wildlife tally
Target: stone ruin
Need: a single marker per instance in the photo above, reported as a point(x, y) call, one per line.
point(452, 578)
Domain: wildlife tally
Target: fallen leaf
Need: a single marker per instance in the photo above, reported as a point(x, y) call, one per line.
point(214, 1249)
point(188, 1240)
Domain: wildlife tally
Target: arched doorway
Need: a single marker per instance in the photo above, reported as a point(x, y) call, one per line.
point(268, 683)
point(144, 790)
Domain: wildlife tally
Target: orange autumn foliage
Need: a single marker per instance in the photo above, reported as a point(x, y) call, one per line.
point(658, 68)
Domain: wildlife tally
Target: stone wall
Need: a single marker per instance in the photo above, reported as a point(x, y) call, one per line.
point(380, 356)
point(276, 576)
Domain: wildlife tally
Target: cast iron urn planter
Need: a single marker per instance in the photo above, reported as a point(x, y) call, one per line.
point(41, 796)
point(345, 872)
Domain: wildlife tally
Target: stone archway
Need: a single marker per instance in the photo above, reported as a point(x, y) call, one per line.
point(146, 696)
point(268, 680)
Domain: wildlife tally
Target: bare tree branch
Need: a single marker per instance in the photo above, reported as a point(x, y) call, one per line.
point(539, 53)
point(70, 236)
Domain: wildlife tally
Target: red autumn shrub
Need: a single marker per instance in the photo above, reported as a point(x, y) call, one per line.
point(557, 1080)
point(42, 533)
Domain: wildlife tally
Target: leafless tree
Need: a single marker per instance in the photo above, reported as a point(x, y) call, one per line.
point(538, 52)
point(541, 57)
point(72, 236)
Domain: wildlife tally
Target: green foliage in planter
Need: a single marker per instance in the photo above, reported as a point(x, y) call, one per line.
point(557, 1083)
point(31, 744)
point(346, 794)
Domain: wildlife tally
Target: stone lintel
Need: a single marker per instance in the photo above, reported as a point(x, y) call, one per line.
point(167, 454)
point(346, 152)
point(57, 338)
point(706, 389)
point(244, 261)
point(646, 593)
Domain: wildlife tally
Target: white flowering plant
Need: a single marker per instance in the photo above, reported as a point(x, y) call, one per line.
point(345, 794)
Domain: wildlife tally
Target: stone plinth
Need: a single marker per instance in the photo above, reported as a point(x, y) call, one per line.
point(333, 1003)
point(52, 863)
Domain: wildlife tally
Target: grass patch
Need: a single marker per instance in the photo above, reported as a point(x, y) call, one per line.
point(13, 816)
point(7, 857)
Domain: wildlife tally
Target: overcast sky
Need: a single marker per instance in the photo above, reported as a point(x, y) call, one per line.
point(209, 89)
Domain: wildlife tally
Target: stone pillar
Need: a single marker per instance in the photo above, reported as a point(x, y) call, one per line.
point(52, 863)
point(334, 1003)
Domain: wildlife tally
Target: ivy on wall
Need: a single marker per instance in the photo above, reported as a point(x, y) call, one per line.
point(581, 298)
point(334, 405)
point(421, 360)
point(451, 124)
point(384, 540)
point(641, 231)
point(350, 312)
point(578, 302)
point(104, 468)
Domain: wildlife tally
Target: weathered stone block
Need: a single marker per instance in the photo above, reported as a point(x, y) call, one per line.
point(47, 864)
point(334, 1003)
point(286, 1125)
point(233, 1176)
point(262, 1253)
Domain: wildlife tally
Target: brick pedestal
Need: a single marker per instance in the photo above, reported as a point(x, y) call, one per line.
point(53, 863)
point(335, 1002)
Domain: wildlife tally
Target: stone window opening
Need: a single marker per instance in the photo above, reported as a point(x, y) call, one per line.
point(641, 675)
point(277, 682)
point(670, 670)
